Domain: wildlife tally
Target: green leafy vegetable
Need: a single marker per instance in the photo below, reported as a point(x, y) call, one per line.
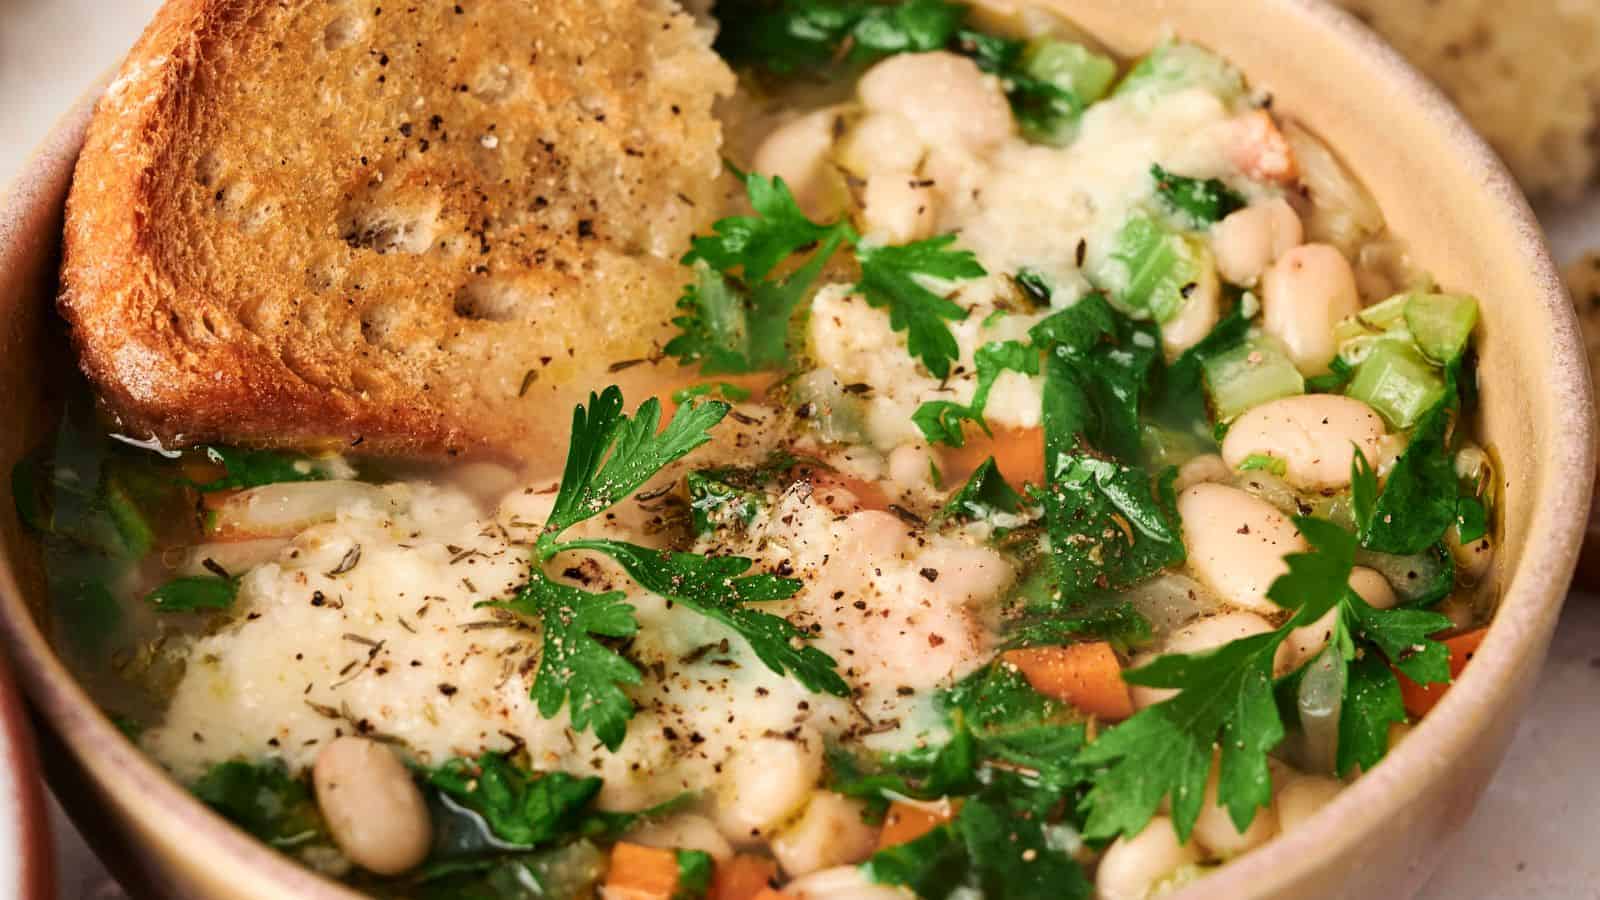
point(1259, 462)
point(1472, 519)
point(716, 500)
point(1110, 526)
point(729, 392)
point(254, 468)
point(695, 868)
point(263, 799)
point(941, 421)
point(1419, 499)
point(1119, 623)
point(985, 494)
point(1202, 201)
point(522, 808)
point(810, 34)
point(891, 277)
point(194, 593)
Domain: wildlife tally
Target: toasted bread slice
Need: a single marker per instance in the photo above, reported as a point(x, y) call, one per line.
point(423, 228)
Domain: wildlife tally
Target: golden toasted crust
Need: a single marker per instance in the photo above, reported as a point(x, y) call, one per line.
point(427, 228)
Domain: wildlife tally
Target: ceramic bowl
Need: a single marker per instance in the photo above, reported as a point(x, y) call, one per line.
point(1440, 188)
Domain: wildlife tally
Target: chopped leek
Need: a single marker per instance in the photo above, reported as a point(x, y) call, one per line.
point(1065, 79)
point(1174, 66)
point(1397, 381)
point(1248, 375)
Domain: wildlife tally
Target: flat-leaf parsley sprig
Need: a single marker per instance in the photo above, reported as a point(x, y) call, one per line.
point(735, 314)
point(612, 455)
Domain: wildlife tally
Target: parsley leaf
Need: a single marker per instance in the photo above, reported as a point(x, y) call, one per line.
point(718, 588)
point(735, 325)
point(263, 799)
point(253, 468)
point(808, 34)
point(1201, 201)
point(694, 874)
point(1120, 623)
point(889, 278)
point(941, 420)
point(1418, 502)
point(521, 807)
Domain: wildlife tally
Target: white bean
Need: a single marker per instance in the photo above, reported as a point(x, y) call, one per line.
point(1196, 637)
point(1303, 295)
point(898, 208)
point(1236, 543)
point(829, 833)
point(797, 151)
point(843, 883)
point(683, 832)
point(1302, 796)
point(1472, 560)
point(1196, 317)
point(1314, 435)
point(1307, 641)
point(911, 466)
point(1251, 239)
point(1132, 867)
point(1215, 831)
point(375, 813)
point(947, 99)
point(880, 143)
point(764, 782)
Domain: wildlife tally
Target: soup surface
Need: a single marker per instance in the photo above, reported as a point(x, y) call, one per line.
point(1073, 489)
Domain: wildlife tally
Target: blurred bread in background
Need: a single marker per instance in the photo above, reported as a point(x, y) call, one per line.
point(1525, 72)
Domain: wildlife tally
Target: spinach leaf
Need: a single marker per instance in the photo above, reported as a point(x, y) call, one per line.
point(254, 468)
point(984, 495)
point(1201, 201)
point(263, 799)
point(194, 593)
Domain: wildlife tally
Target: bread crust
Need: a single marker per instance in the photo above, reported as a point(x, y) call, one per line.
point(190, 277)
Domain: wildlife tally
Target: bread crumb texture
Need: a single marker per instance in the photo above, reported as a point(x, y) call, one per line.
point(1526, 74)
point(418, 226)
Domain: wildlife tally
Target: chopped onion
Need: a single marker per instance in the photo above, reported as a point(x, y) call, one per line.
point(1171, 601)
point(1342, 212)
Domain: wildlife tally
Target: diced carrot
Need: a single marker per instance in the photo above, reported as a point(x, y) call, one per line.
point(642, 873)
point(1419, 698)
point(744, 877)
point(1088, 676)
point(770, 894)
point(1019, 452)
point(1260, 150)
point(905, 822)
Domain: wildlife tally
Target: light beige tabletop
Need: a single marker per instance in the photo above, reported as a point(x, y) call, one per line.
point(1532, 838)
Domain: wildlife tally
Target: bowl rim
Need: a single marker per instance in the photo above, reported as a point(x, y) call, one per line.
point(1534, 595)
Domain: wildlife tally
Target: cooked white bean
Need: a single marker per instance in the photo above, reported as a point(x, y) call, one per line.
point(373, 809)
point(1132, 867)
point(1303, 295)
point(1472, 560)
point(1207, 467)
point(911, 466)
point(797, 151)
point(764, 782)
point(1197, 316)
point(829, 833)
point(1314, 435)
point(1200, 635)
point(843, 883)
point(683, 832)
point(1308, 640)
point(948, 100)
point(1302, 796)
point(1236, 543)
point(898, 208)
point(1214, 829)
point(1251, 239)
point(880, 143)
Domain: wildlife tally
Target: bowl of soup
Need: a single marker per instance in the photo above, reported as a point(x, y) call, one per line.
point(1127, 450)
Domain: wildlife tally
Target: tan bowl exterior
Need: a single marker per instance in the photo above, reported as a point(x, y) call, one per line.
point(1440, 188)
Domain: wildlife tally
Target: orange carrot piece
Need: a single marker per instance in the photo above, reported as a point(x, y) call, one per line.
point(642, 873)
point(1420, 698)
point(1018, 452)
point(770, 894)
point(1086, 675)
point(905, 822)
point(744, 877)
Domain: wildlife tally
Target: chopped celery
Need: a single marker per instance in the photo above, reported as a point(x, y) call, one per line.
point(1385, 315)
point(1250, 374)
point(1441, 323)
point(1074, 68)
point(1398, 382)
point(1174, 66)
point(1152, 270)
